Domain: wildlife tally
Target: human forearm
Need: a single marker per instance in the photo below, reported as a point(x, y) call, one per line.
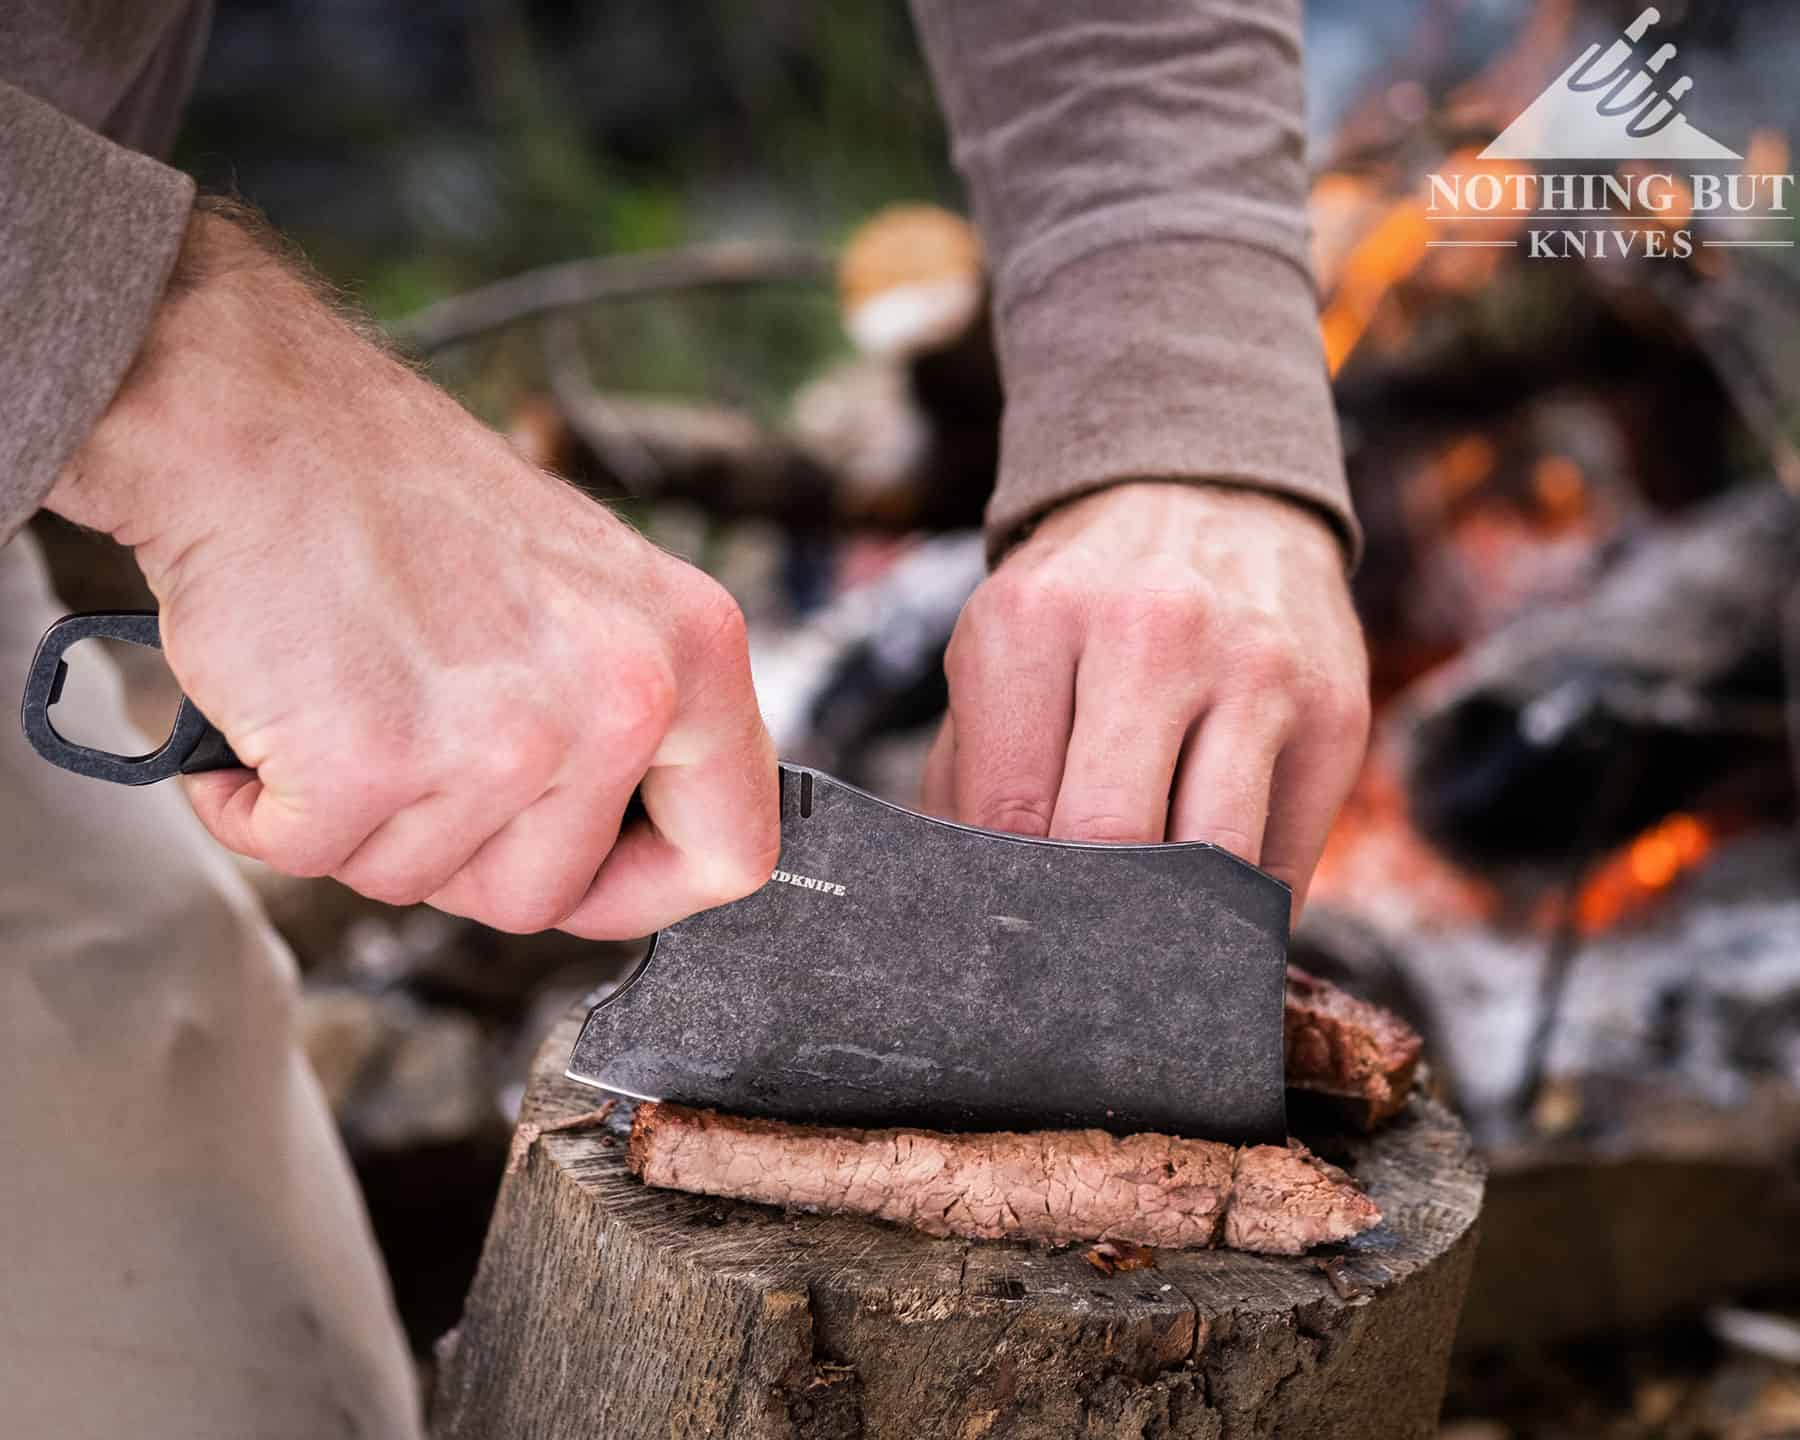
point(449, 672)
point(217, 363)
point(1185, 359)
point(1138, 173)
point(91, 231)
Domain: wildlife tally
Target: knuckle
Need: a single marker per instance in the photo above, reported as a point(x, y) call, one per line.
point(1008, 599)
point(398, 888)
point(641, 701)
point(299, 848)
point(961, 656)
point(1343, 716)
point(365, 791)
point(1017, 600)
point(534, 918)
point(1106, 813)
point(714, 618)
point(1267, 660)
point(1234, 838)
point(1014, 813)
point(1286, 871)
point(508, 919)
point(296, 860)
point(1007, 607)
point(518, 756)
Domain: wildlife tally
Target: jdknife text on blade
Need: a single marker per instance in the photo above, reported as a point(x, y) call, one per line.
point(807, 882)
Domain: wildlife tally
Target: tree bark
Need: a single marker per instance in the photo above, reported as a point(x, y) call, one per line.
point(603, 1307)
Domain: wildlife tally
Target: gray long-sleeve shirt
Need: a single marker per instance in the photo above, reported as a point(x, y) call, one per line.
point(1136, 168)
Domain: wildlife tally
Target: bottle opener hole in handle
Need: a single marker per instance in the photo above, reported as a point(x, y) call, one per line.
point(193, 745)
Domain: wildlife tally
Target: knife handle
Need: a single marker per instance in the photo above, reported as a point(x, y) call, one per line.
point(193, 745)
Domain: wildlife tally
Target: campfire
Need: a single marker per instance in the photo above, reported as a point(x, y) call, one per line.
point(1570, 856)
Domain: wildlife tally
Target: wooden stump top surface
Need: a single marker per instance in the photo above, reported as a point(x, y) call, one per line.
point(881, 1321)
point(1421, 1171)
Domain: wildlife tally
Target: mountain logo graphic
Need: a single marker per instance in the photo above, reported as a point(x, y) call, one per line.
point(1611, 106)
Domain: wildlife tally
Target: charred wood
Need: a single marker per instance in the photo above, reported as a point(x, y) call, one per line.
point(1653, 1172)
point(1673, 665)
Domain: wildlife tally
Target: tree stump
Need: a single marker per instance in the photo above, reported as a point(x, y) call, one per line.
point(604, 1308)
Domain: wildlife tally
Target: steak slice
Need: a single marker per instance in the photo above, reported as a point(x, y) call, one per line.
point(1347, 1048)
point(1051, 1186)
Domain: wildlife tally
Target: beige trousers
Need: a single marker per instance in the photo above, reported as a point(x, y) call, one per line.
point(183, 1252)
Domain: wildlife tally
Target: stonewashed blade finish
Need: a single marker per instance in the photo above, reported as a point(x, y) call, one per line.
point(904, 970)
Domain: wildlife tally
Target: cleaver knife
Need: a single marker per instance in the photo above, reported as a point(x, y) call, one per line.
point(904, 970)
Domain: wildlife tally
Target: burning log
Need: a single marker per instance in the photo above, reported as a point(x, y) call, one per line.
point(671, 1313)
point(1051, 1186)
point(1672, 667)
point(1652, 1172)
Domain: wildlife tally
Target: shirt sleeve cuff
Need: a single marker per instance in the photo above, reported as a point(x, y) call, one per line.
point(91, 234)
point(1177, 359)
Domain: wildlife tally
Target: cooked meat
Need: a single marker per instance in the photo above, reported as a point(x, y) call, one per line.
point(1344, 1047)
point(1052, 1186)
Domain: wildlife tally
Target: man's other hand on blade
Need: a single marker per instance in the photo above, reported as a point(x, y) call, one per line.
point(449, 671)
point(1161, 662)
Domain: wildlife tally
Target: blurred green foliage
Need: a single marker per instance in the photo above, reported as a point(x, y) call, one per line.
point(415, 152)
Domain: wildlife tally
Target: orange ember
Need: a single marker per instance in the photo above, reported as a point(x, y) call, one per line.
point(1627, 881)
